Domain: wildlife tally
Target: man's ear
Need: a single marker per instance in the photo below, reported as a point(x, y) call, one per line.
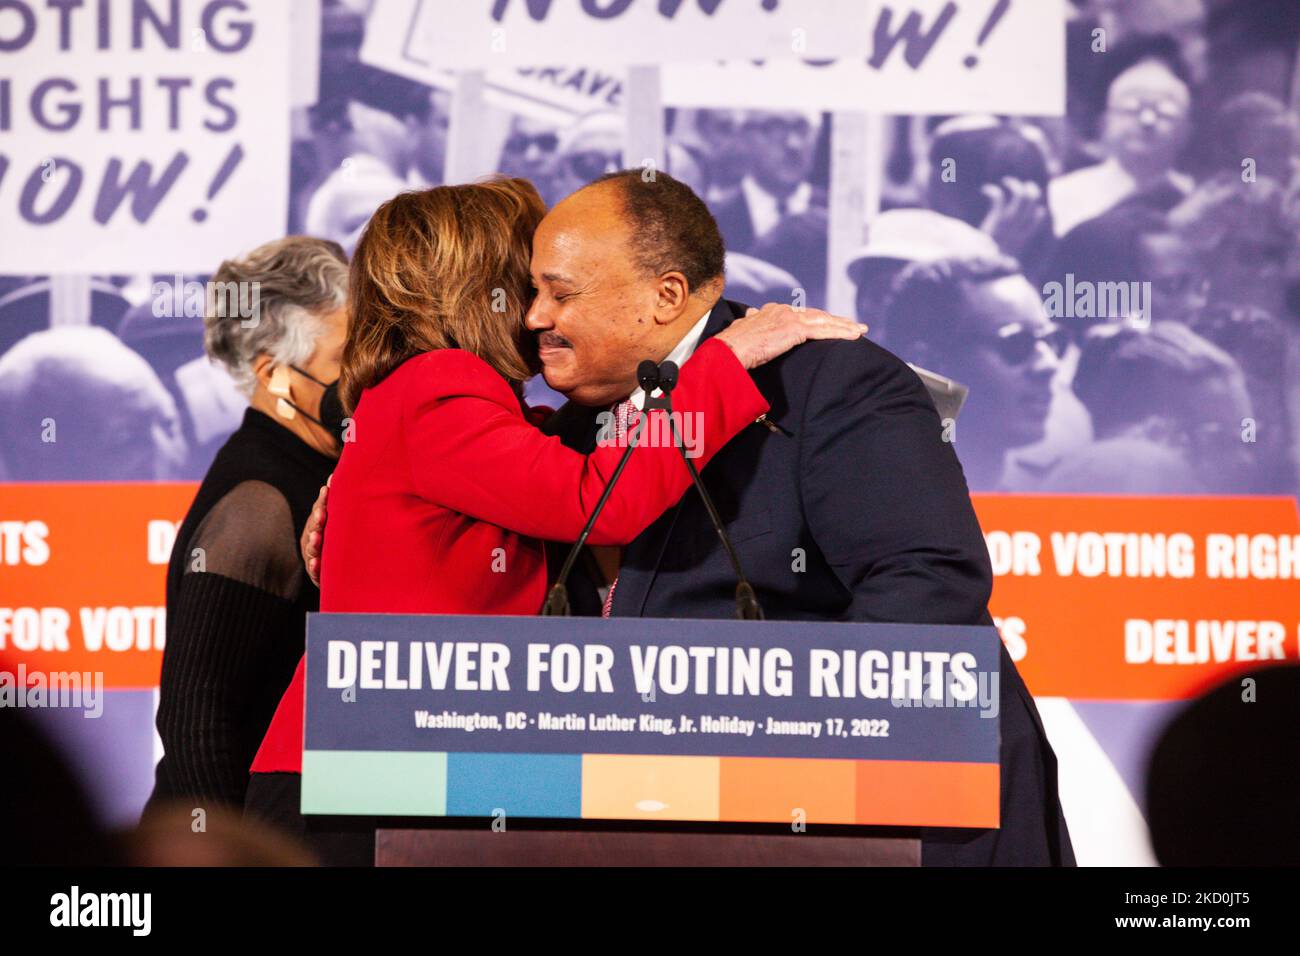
point(672, 295)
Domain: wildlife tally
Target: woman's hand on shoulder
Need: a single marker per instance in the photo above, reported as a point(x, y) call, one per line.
point(766, 333)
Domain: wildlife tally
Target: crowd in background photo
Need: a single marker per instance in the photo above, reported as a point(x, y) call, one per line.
point(1119, 288)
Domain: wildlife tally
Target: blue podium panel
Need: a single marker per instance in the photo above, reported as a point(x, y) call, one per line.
point(631, 718)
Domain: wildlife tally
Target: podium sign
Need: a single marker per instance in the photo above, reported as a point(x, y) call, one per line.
point(651, 719)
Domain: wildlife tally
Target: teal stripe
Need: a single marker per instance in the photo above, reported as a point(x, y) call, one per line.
point(374, 782)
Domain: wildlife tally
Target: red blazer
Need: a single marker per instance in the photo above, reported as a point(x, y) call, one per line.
point(441, 503)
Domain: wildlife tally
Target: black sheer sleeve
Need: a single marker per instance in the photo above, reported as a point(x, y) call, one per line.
point(237, 594)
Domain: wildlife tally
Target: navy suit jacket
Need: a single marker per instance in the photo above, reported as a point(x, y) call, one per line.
point(856, 511)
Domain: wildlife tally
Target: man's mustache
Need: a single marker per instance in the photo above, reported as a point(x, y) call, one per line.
point(553, 340)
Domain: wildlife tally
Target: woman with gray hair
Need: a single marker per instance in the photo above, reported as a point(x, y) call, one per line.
point(237, 594)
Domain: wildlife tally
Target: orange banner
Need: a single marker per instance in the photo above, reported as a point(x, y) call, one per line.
point(1120, 598)
point(1098, 597)
point(83, 568)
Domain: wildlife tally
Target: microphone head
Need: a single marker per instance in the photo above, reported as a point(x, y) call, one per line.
point(668, 376)
point(647, 376)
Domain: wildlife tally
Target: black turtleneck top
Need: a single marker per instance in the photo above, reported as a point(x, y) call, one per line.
point(237, 600)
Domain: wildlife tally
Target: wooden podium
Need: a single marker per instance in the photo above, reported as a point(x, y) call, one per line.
point(440, 845)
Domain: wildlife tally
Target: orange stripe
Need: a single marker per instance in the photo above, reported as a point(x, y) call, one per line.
point(872, 792)
point(925, 793)
point(780, 790)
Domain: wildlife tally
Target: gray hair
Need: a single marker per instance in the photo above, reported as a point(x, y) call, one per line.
point(269, 301)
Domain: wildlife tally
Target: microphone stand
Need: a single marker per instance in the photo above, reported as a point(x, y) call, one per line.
point(747, 606)
point(557, 599)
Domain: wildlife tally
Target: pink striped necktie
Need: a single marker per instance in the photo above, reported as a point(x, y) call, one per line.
point(626, 416)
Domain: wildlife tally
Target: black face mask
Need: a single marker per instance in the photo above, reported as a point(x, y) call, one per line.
point(332, 417)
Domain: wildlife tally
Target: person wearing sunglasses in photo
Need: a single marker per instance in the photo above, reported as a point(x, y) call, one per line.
point(529, 151)
point(979, 321)
point(590, 148)
point(594, 147)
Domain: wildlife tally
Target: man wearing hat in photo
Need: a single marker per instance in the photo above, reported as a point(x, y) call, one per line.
point(896, 239)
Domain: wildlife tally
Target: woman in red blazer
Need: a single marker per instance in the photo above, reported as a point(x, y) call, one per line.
point(446, 489)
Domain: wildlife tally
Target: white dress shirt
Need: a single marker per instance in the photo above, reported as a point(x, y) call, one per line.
point(679, 355)
point(609, 557)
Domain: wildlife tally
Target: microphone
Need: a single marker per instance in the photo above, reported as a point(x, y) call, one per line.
point(667, 374)
point(747, 606)
point(647, 375)
point(557, 599)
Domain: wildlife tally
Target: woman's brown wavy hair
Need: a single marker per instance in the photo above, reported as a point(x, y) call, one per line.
point(443, 268)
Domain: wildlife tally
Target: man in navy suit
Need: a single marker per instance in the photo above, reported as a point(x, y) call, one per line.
point(845, 504)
